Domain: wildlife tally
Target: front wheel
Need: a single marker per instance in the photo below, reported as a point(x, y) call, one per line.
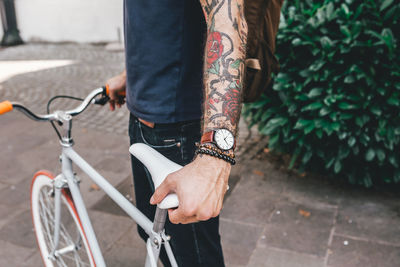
point(73, 248)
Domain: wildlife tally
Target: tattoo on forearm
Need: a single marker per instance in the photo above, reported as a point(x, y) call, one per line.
point(212, 6)
point(224, 63)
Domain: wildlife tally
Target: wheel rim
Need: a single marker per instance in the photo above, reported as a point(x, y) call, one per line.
point(72, 248)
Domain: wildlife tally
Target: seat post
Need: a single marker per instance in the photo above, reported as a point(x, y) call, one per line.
point(159, 220)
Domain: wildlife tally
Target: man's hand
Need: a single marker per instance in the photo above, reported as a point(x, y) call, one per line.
point(116, 85)
point(200, 186)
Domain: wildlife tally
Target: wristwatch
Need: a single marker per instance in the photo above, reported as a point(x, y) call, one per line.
point(222, 138)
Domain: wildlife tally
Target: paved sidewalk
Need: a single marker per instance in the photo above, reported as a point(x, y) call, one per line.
point(270, 218)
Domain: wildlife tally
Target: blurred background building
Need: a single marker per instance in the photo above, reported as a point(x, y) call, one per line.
point(89, 21)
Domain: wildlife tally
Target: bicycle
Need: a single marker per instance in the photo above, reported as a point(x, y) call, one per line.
point(64, 232)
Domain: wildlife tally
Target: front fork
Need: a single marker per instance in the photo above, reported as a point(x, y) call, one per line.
point(58, 184)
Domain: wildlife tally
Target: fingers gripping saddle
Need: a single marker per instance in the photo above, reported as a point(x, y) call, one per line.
point(159, 168)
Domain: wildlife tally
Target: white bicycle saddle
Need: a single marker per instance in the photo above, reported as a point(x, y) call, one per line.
point(159, 168)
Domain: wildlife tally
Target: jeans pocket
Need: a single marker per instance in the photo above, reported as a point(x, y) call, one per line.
point(158, 139)
point(165, 141)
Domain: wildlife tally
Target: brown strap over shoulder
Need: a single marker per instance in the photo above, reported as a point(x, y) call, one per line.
point(262, 18)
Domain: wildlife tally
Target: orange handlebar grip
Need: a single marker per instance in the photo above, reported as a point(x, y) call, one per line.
point(5, 107)
point(119, 93)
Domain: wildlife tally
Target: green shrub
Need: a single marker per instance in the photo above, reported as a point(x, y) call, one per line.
point(335, 105)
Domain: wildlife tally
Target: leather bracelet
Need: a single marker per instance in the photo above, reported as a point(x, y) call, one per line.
point(215, 154)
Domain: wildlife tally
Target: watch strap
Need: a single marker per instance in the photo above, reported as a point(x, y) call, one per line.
point(207, 137)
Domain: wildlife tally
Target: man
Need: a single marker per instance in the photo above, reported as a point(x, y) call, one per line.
point(184, 63)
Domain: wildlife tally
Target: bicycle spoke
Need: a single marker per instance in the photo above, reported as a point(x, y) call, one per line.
point(45, 221)
point(46, 212)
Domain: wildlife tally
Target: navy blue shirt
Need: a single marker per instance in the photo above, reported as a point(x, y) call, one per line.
point(164, 46)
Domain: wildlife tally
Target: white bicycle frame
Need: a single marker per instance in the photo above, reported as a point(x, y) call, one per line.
point(155, 230)
point(157, 236)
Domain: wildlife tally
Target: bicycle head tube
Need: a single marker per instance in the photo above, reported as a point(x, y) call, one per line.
point(66, 121)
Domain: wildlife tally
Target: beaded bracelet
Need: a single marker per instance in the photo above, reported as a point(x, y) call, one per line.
point(211, 147)
point(215, 154)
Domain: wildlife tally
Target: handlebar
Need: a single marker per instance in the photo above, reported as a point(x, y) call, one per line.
point(7, 106)
point(86, 102)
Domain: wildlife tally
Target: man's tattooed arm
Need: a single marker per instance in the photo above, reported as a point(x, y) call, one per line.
point(224, 63)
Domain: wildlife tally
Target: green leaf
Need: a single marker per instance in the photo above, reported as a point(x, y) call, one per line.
point(338, 166)
point(273, 140)
point(326, 42)
point(330, 163)
point(266, 116)
point(308, 129)
point(385, 4)
point(268, 129)
point(375, 34)
point(305, 73)
point(362, 120)
point(273, 124)
point(315, 92)
point(316, 66)
point(345, 9)
point(294, 157)
point(376, 110)
point(352, 141)
point(393, 161)
point(282, 77)
point(236, 64)
point(389, 14)
point(370, 155)
point(319, 133)
point(324, 111)
point(394, 101)
point(356, 150)
point(279, 121)
point(349, 79)
point(397, 176)
point(307, 156)
point(296, 42)
point(335, 126)
point(380, 154)
point(344, 151)
point(346, 116)
point(313, 106)
point(367, 180)
point(346, 106)
point(342, 135)
point(345, 30)
point(278, 86)
point(330, 11)
point(301, 123)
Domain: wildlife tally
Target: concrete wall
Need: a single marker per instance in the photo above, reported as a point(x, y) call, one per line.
point(70, 20)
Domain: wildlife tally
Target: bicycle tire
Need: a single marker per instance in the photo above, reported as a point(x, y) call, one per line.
point(72, 234)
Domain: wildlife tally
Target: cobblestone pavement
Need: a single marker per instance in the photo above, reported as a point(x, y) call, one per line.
point(92, 66)
point(270, 218)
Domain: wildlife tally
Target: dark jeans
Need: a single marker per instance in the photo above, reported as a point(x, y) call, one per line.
point(196, 244)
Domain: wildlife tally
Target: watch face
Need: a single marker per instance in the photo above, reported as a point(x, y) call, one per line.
point(224, 139)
